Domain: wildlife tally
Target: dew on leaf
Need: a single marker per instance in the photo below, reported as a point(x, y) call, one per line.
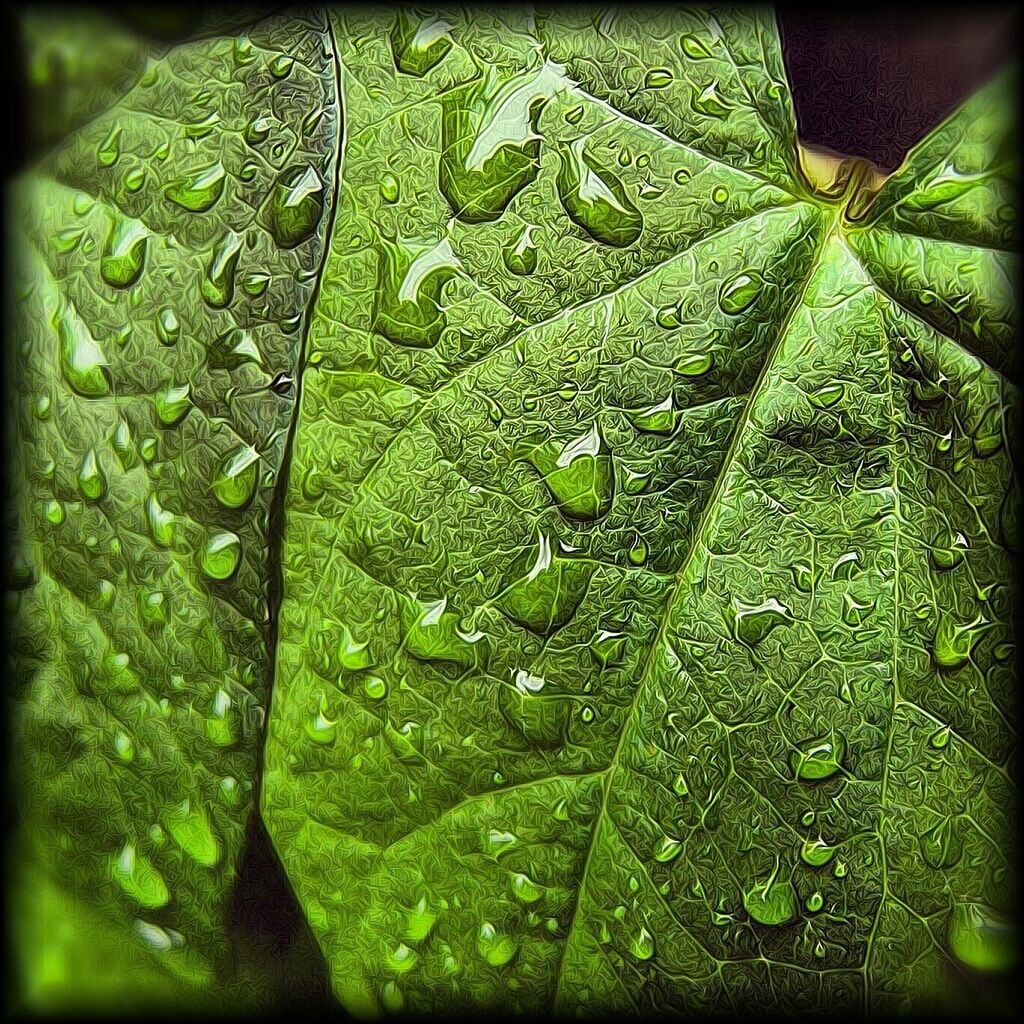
point(199, 191)
point(220, 555)
point(418, 44)
point(124, 253)
point(818, 759)
point(595, 198)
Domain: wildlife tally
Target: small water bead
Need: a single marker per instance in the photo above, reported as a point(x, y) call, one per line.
point(953, 642)
point(248, 170)
point(818, 759)
point(658, 419)
point(694, 364)
point(815, 902)
point(124, 253)
point(667, 849)
point(520, 256)
point(154, 608)
point(642, 945)
point(752, 623)
point(816, 852)
point(109, 150)
point(124, 748)
point(496, 949)
point(625, 157)
point(658, 78)
point(148, 449)
point(105, 592)
point(587, 713)
point(827, 395)
point(819, 950)
point(218, 284)
point(694, 48)
point(402, 959)
point(637, 553)
point(635, 482)
point(255, 284)
point(719, 195)
point(67, 241)
point(840, 870)
point(940, 738)
point(54, 512)
point(418, 44)
point(709, 103)
point(167, 326)
point(190, 828)
point(134, 179)
point(198, 192)
point(221, 555)
point(296, 206)
point(257, 130)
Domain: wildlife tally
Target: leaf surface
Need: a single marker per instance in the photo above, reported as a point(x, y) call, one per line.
point(646, 601)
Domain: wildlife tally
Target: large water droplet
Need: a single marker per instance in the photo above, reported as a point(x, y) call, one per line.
point(124, 253)
point(666, 849)
point(91, 482)
point(418, 44)
point(595, 198)
point(520, 256)
point(220, 555)
point(490, 149)
point(642, 944)
point(771, 903)
point(218, 284)
point(173, 404)
point(296, 206)
point(953, 643)
point(740, 292)
point(579, 474)
point(658, 419)
point(981, 938)
point(167, 327)
point(407, 302)
point(710, 103)
point(137, 876)
point(160, 522)
point(947, 550)
point(235, 482)
point(753, 622)
point(190, 829)
point(199, 191)
point(694, 48)
point(544, 589)
point(816, 852)
point(495, 948)
point(82, 362)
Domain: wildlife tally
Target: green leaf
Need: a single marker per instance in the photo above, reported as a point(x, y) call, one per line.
point(144, 477)
point(633, 574)
point(715, 417)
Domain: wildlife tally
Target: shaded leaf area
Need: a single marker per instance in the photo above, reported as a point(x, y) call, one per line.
point(165, 261)
point(646, 636)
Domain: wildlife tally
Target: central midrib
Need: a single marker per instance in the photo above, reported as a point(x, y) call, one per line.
point(706, 517)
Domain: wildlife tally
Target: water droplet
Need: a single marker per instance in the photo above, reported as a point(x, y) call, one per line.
point(153, 608)
point(952, 645)
point(199, 191)
point(940, 738)
point(609, 647)
point(173, 404)
point(496, 949)
point(667, 849)
point(134, 179)
point(658, 78)
point(658, 419)
point(815, 902)
point(281, 66)
point(818, 758)
point(407, 302)
point(220, 555)
point(679, 785)
point(525, 888)
point(941, 846)
point(490, 149)
point(694, 48)
point(635, 483)
point(419, 44)
point(296, 206)
point(637, 553)
point(753, 622)
point(520, 257)
point(389, 188)
point(574, 115)
point(353, 656)
point(67, 241)
point(124, 748)
point(235, 482)
point(595, 199)
point(433, 633)
point(218, 284)
point(987, 437)
point(190, 829)
point(255, 284)
point(827, 395)
point(771, 903)
point(232, 349)
point(91, 482)
point(579, 474)
point(110, 148)
point(719, 195)
point(694, 364)
point(419, 922)
point(124, 253)
point(816, 852)
point(840, 870)
point(739, 292)
point(160, 522)
point(544, 589)
point(137, 876)
point(709, 103)
point(981, 938)
point(167, 326)
point(220, 726)
point(642, 944)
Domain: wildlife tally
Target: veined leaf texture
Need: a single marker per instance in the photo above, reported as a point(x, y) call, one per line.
point(580, 522)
